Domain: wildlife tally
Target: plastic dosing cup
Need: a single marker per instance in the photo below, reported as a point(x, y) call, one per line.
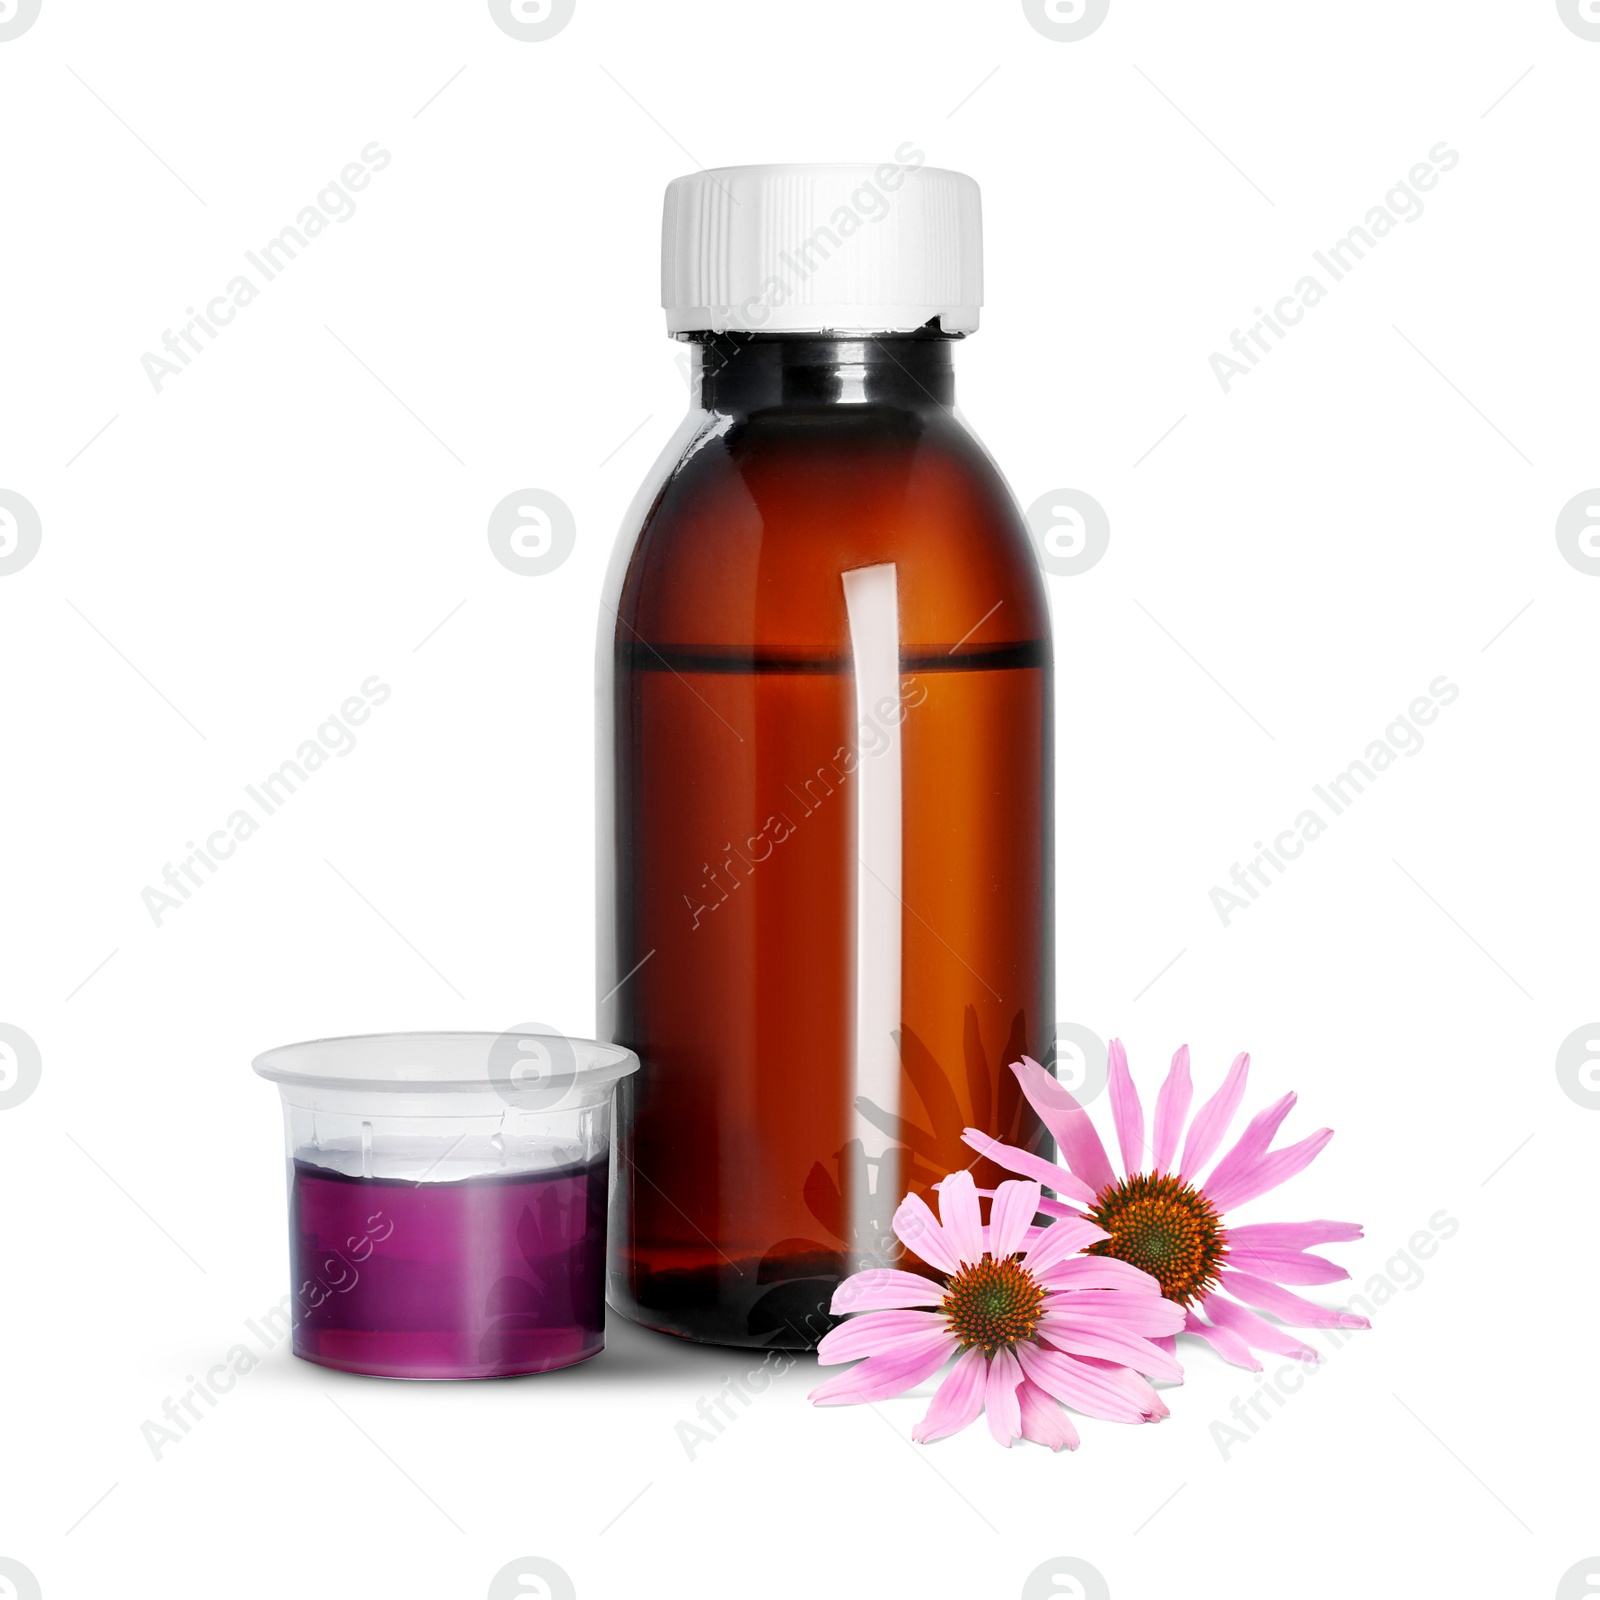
point(447, 1199)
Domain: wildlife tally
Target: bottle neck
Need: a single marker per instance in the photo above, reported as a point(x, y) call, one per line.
point(739, 373)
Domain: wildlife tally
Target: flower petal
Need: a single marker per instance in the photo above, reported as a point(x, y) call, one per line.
point(885, 1289)
point(1271, 1170)
point(1224, 1341)
point(1294, 1310)
point(1172, 1106)
point(1118, 1378)
point(1056, 1241)
point(1296, 1235)
point(1126, 1111)
point(1255, 1331)
point(1109, 1343)
point(1251, 1145)
point(1099, 1272)
point(1284, 1266)
point(1148, 1314)
point(1068, 1123)
point(1000, 1397)
point(1043, 1420)
point(1029, 1165)
point(916, 1227)
point(881, 1377)
point(1211, 1123)
point(1010, 1216)
point(877, 1333)
point(1094, 1390)
point(961, 1216)
point(957, 1401)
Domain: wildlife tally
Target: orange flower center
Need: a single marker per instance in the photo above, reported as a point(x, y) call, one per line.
point(993, 1305)
point(1165, 1227)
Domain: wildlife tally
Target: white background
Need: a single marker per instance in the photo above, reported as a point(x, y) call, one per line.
point(1293, 562)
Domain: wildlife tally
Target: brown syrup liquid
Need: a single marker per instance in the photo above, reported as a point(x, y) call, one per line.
point(751, 1177)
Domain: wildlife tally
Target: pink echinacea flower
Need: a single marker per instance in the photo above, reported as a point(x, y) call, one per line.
point(1170, 1216)
point(1029, 1319)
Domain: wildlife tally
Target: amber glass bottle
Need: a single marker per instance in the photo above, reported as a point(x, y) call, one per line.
point(826, 824)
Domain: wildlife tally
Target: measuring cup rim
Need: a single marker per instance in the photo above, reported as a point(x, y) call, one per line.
point(445, 1062)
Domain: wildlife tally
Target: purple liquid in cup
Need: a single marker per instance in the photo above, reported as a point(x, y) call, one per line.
point(480, 1277)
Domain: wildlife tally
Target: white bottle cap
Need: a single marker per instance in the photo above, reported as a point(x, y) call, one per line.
point(806, 249)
